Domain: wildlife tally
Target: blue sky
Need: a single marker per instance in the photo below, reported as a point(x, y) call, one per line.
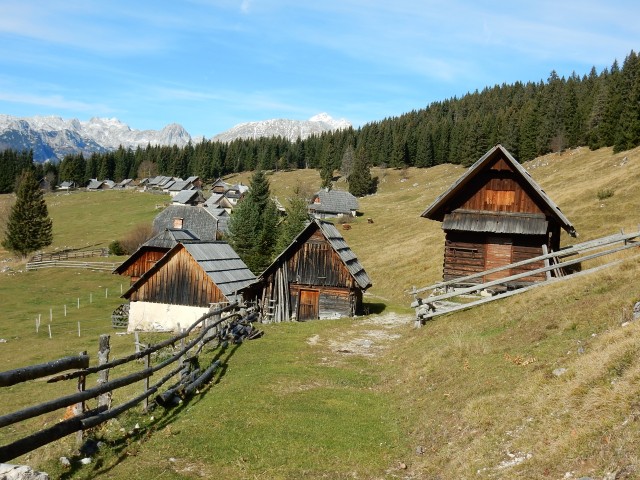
point(211, 64)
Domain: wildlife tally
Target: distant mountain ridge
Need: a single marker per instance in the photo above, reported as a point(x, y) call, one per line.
point(289, 129)
point(51, 137)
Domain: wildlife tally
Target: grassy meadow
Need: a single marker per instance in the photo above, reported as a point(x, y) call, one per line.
point(539, 385)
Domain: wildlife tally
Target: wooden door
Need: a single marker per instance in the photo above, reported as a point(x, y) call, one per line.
point(308, 305)
point(497, 254)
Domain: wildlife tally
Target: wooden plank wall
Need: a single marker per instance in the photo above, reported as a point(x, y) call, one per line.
point(497, 190)
point(144, 262)
point(180, 281)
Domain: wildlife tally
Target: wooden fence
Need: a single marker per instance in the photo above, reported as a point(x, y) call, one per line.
point(68, 254)
point(565, 263)
point(101, 266)
point(223, 325)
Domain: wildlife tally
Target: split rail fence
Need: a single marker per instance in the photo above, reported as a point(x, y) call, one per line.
point(102, 266)
point(560, 265)
point(222, 325)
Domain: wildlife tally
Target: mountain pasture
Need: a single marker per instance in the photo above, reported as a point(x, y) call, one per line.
point(539, 385)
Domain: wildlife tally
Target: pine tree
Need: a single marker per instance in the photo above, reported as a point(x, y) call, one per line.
point(253, 227)
point(360, 181)
point(29, 227)
point(295, 221)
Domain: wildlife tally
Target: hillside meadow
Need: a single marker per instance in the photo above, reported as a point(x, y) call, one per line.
point(540, 385)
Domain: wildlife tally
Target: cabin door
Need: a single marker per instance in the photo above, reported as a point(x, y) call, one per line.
point(498, 254)
point(309, 305)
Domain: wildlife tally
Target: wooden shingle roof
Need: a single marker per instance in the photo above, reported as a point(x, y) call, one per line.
point(334, 201)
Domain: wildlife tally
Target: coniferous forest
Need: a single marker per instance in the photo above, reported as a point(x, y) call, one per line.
point(598, 109)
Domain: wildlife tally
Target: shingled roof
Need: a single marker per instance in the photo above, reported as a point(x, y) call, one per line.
point(195, 219)
point(217, 259)
point(334, 201)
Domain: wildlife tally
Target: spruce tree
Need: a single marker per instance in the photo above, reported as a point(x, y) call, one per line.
point(253, 227)
point(295, 221)
point(29, 227)
point(360, 181)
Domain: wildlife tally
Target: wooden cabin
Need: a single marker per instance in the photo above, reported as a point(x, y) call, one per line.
point(151, 251)
point(316, 276)
point(495, 215)
point(184, 284)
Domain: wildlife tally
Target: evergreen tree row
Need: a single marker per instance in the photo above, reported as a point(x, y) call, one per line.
point(530, 119)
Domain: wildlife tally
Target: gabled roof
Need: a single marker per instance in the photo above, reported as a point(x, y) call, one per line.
point(94, 184)
point(195, 219)
point(339, 245)
point(214, 199)
point(217, 259)
point(170, 237)
point(186, 196)
point(436, 211)
point(334, 201)
point(180, 185)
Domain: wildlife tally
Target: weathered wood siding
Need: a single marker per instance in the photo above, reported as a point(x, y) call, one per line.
point(313, 267)
point(144, 262)
point(333, 302)
point(180, 281)
point(498, 190)
point(316, 263)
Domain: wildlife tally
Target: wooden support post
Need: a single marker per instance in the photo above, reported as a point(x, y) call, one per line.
point(136, 339)
point(147, 364)
point(547, 263)
point(104, 348)
point(50, 331)
point(78, 303)
point(78, 329)
point(65, 310)
point(80, 407)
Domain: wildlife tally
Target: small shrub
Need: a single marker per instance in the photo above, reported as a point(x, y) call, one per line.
point(604, 193)
point(136, 237)
point(115, 248)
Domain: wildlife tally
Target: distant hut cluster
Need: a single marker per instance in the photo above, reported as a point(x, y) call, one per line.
point(495, 215)
point(186, 268)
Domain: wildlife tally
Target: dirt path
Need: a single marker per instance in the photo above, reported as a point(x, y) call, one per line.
point(368, 337)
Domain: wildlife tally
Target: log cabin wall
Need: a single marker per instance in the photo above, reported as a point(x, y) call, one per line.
point(467, 253)
point(180, 281)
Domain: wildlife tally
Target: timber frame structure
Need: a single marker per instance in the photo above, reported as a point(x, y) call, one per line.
point(316, 276)
point(496, 215)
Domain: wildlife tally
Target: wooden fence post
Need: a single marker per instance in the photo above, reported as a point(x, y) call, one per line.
point(147, 364)
point(79, 410)
point(104, 348)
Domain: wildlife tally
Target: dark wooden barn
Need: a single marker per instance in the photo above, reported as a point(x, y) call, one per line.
point(316, 276)
point(495, 215)
point(184, 283)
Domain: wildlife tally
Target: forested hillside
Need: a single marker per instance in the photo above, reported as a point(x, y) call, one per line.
point(529, 119)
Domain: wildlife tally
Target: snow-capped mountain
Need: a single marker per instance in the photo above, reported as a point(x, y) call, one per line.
point(289, 129)
point(51, 138)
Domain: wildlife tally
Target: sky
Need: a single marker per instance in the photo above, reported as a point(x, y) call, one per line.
point(209, 65)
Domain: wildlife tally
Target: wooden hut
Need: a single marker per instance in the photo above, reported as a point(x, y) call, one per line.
point(495, 215)
point(151, 251)
point(184, 284)
point(316, 276)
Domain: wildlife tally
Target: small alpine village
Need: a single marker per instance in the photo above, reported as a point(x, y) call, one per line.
point(450, 293)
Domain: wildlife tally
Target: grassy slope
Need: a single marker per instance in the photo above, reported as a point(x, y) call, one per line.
point(472, 391)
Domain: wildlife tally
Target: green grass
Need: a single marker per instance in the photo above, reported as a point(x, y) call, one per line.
point(454, 399)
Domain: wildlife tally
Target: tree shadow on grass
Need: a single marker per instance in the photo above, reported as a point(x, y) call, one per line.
point(373, 308)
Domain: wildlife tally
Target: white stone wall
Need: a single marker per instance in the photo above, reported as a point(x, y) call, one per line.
point(161, 317)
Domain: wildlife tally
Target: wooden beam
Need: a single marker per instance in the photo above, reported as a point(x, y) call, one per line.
point(19, 375)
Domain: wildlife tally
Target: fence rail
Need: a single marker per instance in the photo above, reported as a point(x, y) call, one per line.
point(66, 255)
point(222, 325)
point(102, 266)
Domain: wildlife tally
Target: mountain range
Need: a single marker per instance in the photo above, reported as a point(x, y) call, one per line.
point(51, 138)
